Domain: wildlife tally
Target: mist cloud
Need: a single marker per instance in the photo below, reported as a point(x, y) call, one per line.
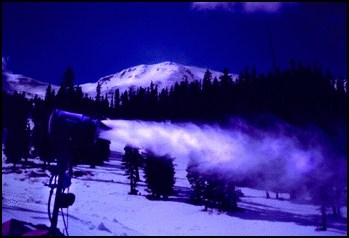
point(281, 156)
point(4, 62)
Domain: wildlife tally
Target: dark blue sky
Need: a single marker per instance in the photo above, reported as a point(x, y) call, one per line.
point(40, 40)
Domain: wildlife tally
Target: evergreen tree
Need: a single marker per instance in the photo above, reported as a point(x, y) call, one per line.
point(112, 101)
point(215, 113)
point(194, 101)
point(66, 94)
point(164, 104)
point(68, 78)
point(27, 143)
point(130, 164)
point(17, 142)
point(13, 154)
point(98, 89)
point(196, 181)
point(154, 103)
point(102, 151)
point(116, 110)
point(48, 93)
point(293, 67)
point(207, 81)
point(42, 143)
point(125, 105)
point(159, 174)
point(79, 93)
point(254, 73)
point(247, 75)
point(174, 102)
point(5, 109)
point(207, 95)
point(226, 89)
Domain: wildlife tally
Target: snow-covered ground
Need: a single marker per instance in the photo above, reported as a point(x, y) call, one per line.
point(104, 207)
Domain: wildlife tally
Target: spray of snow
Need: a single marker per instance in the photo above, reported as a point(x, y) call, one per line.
point(239, 151)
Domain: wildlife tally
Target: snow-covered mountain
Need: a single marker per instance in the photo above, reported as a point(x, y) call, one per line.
point(16, 82)
point(163, 75)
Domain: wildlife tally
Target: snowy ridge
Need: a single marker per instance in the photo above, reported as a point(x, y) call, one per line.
point(163, 75)
point(20, 83)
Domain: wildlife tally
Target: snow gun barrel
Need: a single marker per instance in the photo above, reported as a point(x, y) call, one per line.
point(63, 124)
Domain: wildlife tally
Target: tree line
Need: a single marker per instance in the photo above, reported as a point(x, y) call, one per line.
point(296, 94)
point(22, 143)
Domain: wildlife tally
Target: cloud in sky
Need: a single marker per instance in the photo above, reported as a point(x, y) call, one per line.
point(4, 62)
point(248, 7)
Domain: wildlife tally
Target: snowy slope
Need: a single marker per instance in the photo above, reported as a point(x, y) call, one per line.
point(163, 75)
point(104, 207)
point(20, 83)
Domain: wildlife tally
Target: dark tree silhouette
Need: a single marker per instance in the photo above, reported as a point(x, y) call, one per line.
point(66, 94)
point(196, 181)
point(159, 174)
point(130, 164)
point(17, 142)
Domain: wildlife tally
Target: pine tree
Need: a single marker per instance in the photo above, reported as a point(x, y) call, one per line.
point(98, 89)
point(125, 105)
point(5, 109)
point(217, 109)
point(247, 75)
point(11, 150)
point(79, 93)
point(117, 98)
point(293, 66)
point(66, 94)
point(17, 142)
point(68, 78)
point(112, 101)
point(159, 174)
point(48, 93)
point(139, 162)
point(116, 110)
point(130, 164)
point(42, 143)
point(197, 182)
point(207, 95)
point(164, 104)
point(207, 81)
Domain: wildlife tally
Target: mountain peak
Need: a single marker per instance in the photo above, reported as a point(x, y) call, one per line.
point(16, 82)
point(164, 74)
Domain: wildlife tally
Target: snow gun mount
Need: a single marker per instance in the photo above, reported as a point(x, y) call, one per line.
point(65, 127)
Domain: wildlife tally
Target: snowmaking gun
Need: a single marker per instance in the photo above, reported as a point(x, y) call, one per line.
point(64, 128)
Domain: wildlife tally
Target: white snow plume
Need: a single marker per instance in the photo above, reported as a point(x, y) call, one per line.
point(270, 158)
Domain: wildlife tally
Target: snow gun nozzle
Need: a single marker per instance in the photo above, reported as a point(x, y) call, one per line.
point(63, 124)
